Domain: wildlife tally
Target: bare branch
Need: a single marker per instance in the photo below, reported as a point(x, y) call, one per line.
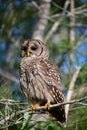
point(81, 7)
point(71, 56)
point(57, 23)
point(70, 91)
point(9, 76)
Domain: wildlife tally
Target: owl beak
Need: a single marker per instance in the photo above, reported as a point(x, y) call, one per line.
point(28, 53)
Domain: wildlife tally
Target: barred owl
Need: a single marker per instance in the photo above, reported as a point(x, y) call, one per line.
point(39, 78)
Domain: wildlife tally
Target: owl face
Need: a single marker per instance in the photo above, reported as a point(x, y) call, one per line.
point(34, 48)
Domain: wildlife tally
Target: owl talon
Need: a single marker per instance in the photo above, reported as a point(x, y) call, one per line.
point(47, 106)
point(34, 107)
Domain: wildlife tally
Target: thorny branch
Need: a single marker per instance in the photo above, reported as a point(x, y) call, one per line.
point(14, 114)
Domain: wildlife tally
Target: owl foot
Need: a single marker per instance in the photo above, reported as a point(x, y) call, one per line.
point(34, 107)
point(47, 105)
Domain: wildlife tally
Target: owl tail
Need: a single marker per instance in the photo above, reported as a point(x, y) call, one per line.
point(59, 114)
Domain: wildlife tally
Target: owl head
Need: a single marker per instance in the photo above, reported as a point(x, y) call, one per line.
point(33, 49)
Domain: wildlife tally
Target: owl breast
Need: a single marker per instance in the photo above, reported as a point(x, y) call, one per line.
point(33, 83)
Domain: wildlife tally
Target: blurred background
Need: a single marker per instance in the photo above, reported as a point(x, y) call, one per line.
point(62, 25)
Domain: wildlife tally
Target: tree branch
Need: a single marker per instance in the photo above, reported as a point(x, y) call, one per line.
point(57, 23)
point(41, 23)
point(10, 117)
point(70, 91)
point(9, 76)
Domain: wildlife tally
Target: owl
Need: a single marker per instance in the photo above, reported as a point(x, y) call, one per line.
point(40, 80)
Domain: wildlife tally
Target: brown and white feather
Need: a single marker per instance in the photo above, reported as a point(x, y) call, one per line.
point(39, 78)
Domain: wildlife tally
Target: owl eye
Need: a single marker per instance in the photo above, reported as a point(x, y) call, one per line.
point(33, 48)
point(24, 48)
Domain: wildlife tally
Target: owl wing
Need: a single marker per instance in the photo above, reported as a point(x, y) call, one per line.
point(51, 77)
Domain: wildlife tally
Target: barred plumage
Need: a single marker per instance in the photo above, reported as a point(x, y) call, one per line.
point(39, 78)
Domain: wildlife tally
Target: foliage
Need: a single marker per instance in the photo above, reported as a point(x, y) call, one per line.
point(6, 92)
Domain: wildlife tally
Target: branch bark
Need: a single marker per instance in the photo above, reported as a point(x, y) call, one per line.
point(72, 40)
point(42, 20)
point(70, 91)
